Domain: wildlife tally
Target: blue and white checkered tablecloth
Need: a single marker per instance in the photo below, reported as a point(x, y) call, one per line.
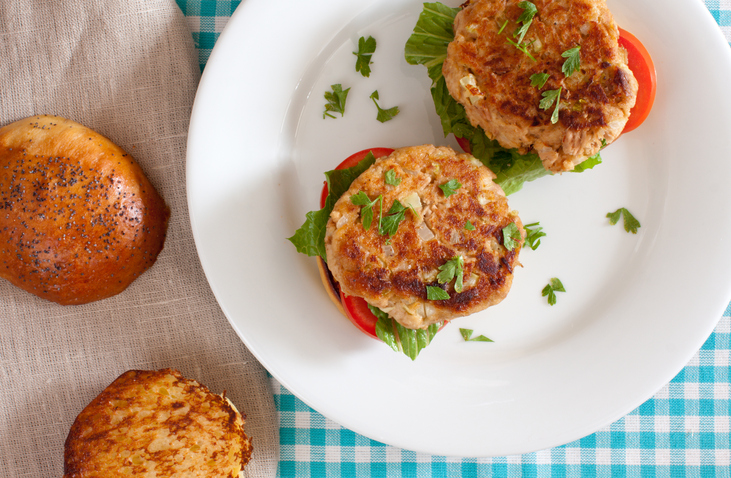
point(682, 431)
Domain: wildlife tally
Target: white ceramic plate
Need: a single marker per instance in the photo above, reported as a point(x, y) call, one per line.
point(636, 309)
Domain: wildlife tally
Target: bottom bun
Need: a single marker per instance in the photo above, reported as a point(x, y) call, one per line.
point(331, 285)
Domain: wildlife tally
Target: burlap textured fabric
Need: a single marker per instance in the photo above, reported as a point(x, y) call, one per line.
point(128, 69)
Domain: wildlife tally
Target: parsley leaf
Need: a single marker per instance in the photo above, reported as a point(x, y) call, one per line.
point(391, 178)
point(467, 336)
point(522, 47)
point(335, 100)
point(436, 293)
point(529, 11)
point(630, 223)
point(366, 213)
point(450, 187)
point(539, 79)
point(366, 48)
point(534, 232)
point(549, 97)
point(526, 18)
point(521, 31)
point(511, 236)
point(383, 115)
point(550, 290)
point(390, 223)
point(451, 269)
point(468, 225)
point(573, 60)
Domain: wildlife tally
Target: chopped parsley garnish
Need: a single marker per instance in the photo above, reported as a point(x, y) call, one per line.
point(390, 223)
point(502, 27)
point(549, 97)
point(391, 178)
point(383, 115)
point(366, 212)
point(450, 187)
point(387, 225)
point(630, 223)
point(436, 293)
point(511, 236)
point(525, 18)
point(468, 225)
point(335, 100)
point(522, 47)
point(366, 48)
point(573, 60)
point(539, 79)
point(529, 11)
point(534, 232)
point(553, 286)
point(521, 31)
point(467, 336)
point(452, 269)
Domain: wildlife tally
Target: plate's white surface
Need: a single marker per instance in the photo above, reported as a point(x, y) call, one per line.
point(637, 306)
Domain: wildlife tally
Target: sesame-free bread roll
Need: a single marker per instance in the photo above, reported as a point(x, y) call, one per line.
point(79, 221)
point(157, 423)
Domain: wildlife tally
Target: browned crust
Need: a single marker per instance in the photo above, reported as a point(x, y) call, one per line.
point(595, 102)
point(397, 282)
point(157, 420)
point(79, 220)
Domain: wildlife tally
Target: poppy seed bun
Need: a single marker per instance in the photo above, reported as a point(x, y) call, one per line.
point(157, 423)
point(393, 273)
point(79, 221)
point(491, 78)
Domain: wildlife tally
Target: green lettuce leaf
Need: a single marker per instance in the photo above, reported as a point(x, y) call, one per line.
point(433, 31)
point(408, 341)
point(428, 46)
point(310, 237)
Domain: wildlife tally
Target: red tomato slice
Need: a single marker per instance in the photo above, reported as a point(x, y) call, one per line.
point(640, 62)
point(464, 143)
point(356, 309)
point(351, 161)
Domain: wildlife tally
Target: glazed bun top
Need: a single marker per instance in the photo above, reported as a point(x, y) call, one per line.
point(79, 221)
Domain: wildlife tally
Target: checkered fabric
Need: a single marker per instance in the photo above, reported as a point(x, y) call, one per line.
point(721, 11)
point(683, 431)
point(206, 19)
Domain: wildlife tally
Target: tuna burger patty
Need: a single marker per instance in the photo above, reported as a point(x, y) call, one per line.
point(454, 212)
point(487, 72)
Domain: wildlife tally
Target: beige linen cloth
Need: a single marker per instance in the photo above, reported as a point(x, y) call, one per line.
point(127, 69)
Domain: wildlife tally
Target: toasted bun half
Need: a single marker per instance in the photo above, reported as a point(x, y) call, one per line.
point(79, 221)
point(157, 423)
point(331, 285)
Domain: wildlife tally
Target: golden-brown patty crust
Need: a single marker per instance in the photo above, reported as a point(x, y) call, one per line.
point(157, 423)
point(392, 273)
point(491, 78)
